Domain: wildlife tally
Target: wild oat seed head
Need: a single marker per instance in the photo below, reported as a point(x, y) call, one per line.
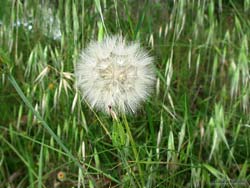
point(114, 74)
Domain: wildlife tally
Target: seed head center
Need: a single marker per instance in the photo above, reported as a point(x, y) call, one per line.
point(114, 73)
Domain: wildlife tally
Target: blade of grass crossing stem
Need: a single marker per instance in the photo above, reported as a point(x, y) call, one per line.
point(50, 131)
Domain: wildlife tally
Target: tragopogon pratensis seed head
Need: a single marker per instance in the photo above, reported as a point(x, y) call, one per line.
point(114, 74)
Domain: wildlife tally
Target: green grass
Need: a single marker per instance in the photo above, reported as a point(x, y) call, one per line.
point(194, 131)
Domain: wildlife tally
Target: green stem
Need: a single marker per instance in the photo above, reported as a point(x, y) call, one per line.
point(134, 149)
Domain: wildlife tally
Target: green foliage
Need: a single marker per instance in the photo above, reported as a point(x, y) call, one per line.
point(192, 132)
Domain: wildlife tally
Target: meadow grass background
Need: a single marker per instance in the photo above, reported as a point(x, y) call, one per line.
point(194, 131)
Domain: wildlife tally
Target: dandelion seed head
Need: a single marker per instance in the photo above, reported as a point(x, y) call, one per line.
point(115, 74)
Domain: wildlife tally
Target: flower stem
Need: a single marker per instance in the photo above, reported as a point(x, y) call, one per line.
point(133, 148)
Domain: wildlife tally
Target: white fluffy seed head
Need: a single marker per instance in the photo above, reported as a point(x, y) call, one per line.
point(114, 74)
